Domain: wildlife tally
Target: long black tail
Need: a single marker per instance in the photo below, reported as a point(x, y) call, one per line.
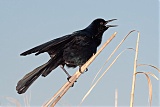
point(29, 78)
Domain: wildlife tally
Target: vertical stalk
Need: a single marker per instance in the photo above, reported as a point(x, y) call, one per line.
point(134, 73)
point(116, 98)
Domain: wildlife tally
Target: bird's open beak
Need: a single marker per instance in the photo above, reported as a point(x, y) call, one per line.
point(110, 21)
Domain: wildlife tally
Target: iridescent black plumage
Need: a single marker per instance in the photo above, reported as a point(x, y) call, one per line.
point(71, 50)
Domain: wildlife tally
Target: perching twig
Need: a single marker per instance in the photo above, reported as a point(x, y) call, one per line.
point(52, 102)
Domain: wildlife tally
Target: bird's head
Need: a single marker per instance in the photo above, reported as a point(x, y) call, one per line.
point(100, 25)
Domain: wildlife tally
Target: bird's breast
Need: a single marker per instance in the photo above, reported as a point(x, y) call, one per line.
point(79, 52)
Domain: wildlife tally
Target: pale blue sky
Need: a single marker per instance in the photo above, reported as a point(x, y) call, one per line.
point(27, 23)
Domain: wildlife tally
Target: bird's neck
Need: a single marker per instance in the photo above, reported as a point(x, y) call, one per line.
point(95, 33)
point(92, 29)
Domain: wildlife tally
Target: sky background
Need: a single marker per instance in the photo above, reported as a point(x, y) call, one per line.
point(28, 23)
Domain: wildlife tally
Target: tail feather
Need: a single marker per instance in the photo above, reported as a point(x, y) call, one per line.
point(28, 79)
point(43, 70)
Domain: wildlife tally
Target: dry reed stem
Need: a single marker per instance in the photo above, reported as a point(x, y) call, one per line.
point(112, 54)
point(134, 72)
point(116, 98)
point(103, 75)
point(52, 102)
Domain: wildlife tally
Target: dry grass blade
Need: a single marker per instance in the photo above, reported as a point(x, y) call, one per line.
point(102, 75)
point(112, 54)
point(149, 73)
point(152, 75)
point(13, 100)
point(149, 84)
point(134, 72)
point(65, 88)
point(150, 66)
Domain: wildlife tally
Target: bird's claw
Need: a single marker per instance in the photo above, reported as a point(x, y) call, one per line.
point(68, 78)
point(86, 70)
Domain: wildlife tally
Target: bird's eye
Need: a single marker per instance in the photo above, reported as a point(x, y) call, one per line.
point(101, 23)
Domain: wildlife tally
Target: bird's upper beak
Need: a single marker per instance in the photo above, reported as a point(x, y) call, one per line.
point(110, 21)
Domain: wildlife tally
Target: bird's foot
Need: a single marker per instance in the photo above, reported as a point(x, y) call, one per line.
point(81, 71)
point(69, 78)
point(70, 81)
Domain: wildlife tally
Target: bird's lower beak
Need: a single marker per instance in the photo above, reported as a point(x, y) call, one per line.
point(110, 21)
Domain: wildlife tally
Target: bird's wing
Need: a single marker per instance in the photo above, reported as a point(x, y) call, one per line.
point(50, 46)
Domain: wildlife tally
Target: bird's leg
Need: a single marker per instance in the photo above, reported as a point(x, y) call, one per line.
point(69, 76)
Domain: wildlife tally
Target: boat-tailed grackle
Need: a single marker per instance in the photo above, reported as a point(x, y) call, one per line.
point(71, 50)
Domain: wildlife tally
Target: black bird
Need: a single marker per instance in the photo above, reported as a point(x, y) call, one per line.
point(71, 50)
